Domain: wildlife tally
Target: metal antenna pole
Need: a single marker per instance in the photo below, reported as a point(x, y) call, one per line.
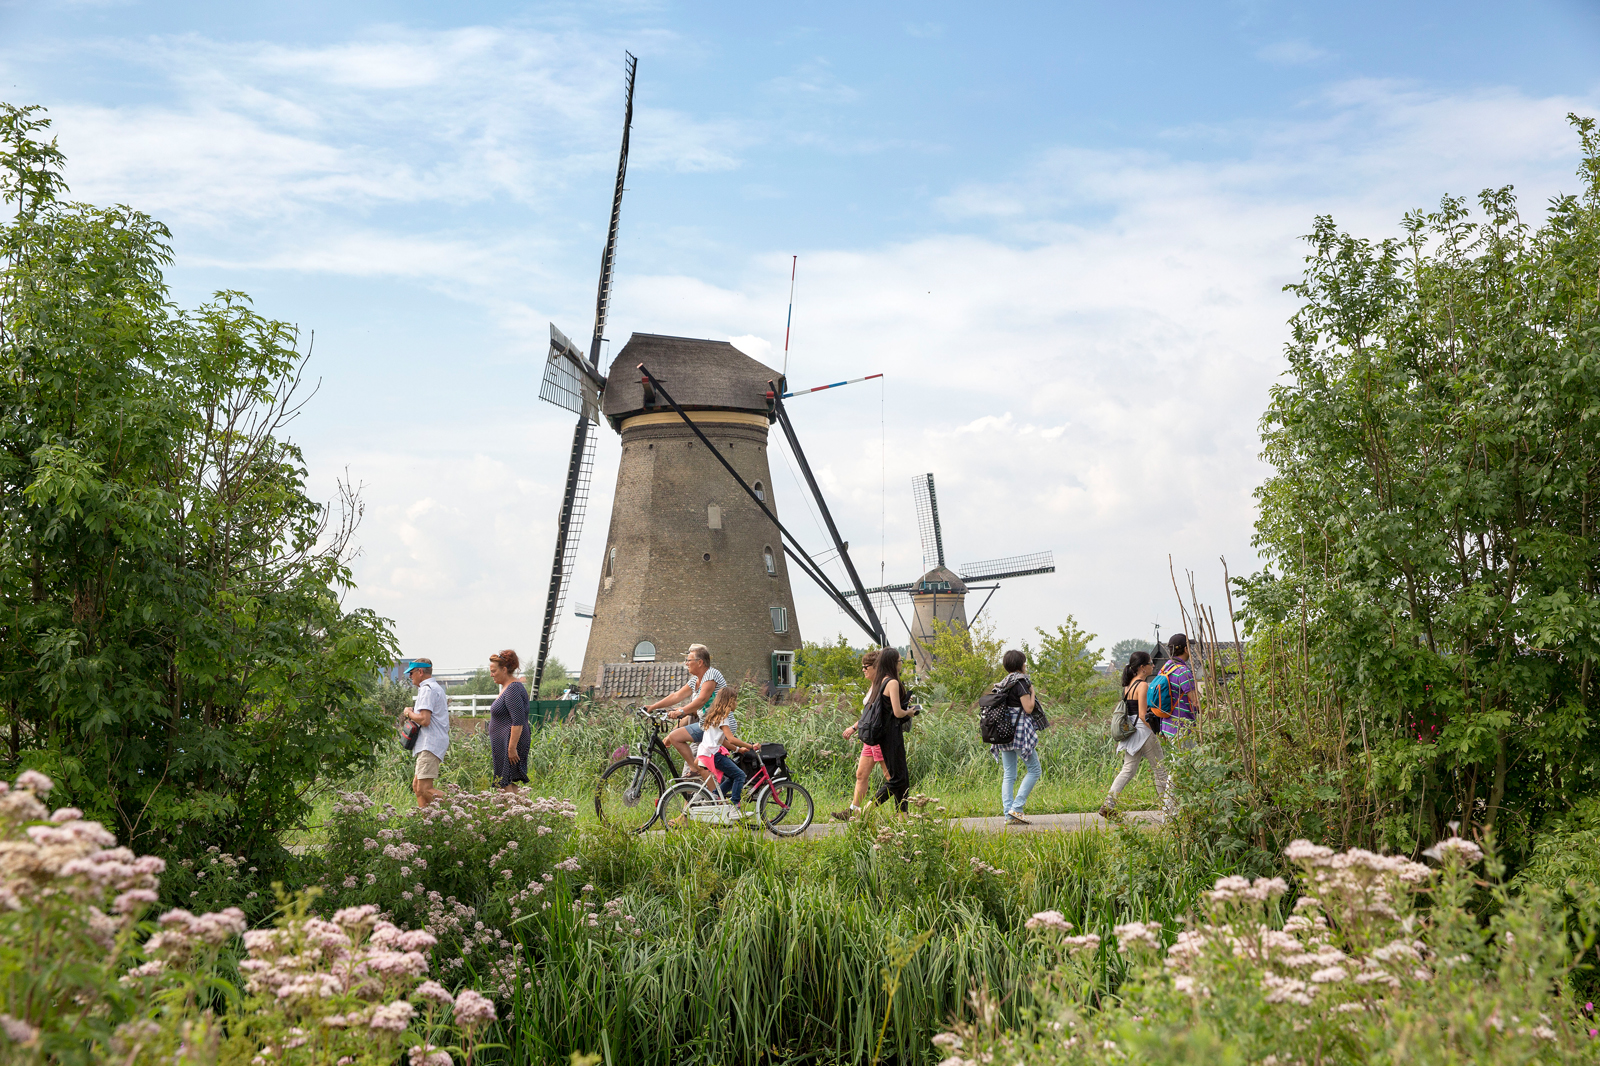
point(794, 266)
point(827, 516)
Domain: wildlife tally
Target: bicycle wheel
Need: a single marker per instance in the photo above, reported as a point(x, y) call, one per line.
point(694, 803)
point(628, 794)
point(786, 809)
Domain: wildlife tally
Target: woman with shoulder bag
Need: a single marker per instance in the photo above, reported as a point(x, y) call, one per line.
point(1024, 739)
point(1145, 743)
point(870, 753)
point(888, 699)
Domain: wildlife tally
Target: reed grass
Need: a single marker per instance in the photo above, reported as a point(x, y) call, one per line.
point(754, 950)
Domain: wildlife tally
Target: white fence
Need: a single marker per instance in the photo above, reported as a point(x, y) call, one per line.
point(473, 705)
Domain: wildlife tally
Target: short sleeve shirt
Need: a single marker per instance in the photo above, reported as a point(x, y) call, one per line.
point(1181, 680)
point(435, 736)
point(730, 724)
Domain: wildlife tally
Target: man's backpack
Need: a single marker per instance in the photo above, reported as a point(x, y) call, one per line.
point(997, 719)
point(1159, 696)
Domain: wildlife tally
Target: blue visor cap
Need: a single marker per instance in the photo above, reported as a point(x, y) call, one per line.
point(417, 665)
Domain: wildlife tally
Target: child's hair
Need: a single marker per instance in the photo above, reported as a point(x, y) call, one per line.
point(722, 706)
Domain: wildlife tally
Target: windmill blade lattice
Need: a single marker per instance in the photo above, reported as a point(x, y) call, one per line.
point(928, 521)
point(1010, 566)
point(564, 384)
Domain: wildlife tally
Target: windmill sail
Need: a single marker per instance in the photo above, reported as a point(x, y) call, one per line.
point(928, 521)
point(565, 382)
point(571, 384)
point(1011, 566)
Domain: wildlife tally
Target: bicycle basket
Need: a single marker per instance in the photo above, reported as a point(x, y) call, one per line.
point(773, 755)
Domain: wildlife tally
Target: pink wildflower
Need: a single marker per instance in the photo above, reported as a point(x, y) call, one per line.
point(394, 1017)
point(473, 1009)
point(1048, 920)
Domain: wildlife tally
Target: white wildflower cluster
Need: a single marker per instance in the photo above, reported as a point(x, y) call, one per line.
point(71, 865)
point(981, 867)
point(1053, 922)
point(1134, 936)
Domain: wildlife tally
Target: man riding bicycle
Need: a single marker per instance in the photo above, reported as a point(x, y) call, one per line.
point(705, 681)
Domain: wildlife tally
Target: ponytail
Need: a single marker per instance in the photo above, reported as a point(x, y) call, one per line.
point(1137, 661)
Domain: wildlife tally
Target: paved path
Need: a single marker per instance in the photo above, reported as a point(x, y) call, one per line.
point(1038, 823)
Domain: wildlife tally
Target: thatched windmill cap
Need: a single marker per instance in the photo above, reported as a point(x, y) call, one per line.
point(700, 374)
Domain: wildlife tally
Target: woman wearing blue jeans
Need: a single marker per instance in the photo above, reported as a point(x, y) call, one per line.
point(1024, 743)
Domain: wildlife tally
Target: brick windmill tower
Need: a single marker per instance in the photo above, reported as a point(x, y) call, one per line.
point(689, 557)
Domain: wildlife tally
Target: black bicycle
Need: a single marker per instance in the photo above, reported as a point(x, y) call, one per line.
point(629, 792)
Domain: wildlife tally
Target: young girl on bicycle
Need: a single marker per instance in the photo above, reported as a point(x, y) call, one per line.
point(711, 756)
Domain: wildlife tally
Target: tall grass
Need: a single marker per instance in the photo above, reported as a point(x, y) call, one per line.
point(750, 950)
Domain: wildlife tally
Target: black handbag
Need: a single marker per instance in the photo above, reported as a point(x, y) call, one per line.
point(409, 735)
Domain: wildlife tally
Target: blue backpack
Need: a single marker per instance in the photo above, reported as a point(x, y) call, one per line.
point(1159, 695)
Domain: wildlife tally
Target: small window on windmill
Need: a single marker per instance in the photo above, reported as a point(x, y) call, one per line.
point(761, 493)
point(713, 517)
point(611, 562)
point(780, 619)
point(644, 652)
point(772, 563)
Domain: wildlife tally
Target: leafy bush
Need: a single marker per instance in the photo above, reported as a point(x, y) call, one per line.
point(966, 661)
point(1430, 520)
point(1357, 973)
point(1062, 667)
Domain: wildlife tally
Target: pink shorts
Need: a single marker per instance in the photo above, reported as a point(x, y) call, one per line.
point(873, 750)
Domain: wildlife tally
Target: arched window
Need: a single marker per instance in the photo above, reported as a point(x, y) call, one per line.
point(761, 493)
point(772, 563)
point(644, 652)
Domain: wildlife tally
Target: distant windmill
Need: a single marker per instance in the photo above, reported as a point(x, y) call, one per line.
point(941, 594)
point(576, 384)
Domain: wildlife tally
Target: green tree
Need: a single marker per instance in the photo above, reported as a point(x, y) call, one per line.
point(965, 661)
point(1063, 666)
point(1431, 520)
point(173, 650)
point(834, 666)
point(1122, 649)
point(555, 679)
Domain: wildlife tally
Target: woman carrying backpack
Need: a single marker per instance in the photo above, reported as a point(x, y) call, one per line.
point(1145, 743)
point(883, 723)
point(1024, 739)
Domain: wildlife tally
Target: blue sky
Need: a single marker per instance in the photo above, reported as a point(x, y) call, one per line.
point(1060, 230)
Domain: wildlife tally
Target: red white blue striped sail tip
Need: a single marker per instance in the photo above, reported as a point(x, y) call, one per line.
point(824, 388)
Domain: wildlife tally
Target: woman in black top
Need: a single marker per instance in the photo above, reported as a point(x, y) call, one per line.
point(508, 722)
point(888, 689)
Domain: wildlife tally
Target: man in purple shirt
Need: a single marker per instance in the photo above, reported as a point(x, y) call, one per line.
point(1181, 700)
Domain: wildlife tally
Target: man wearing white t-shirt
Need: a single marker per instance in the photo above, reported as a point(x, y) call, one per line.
point(432, 713)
